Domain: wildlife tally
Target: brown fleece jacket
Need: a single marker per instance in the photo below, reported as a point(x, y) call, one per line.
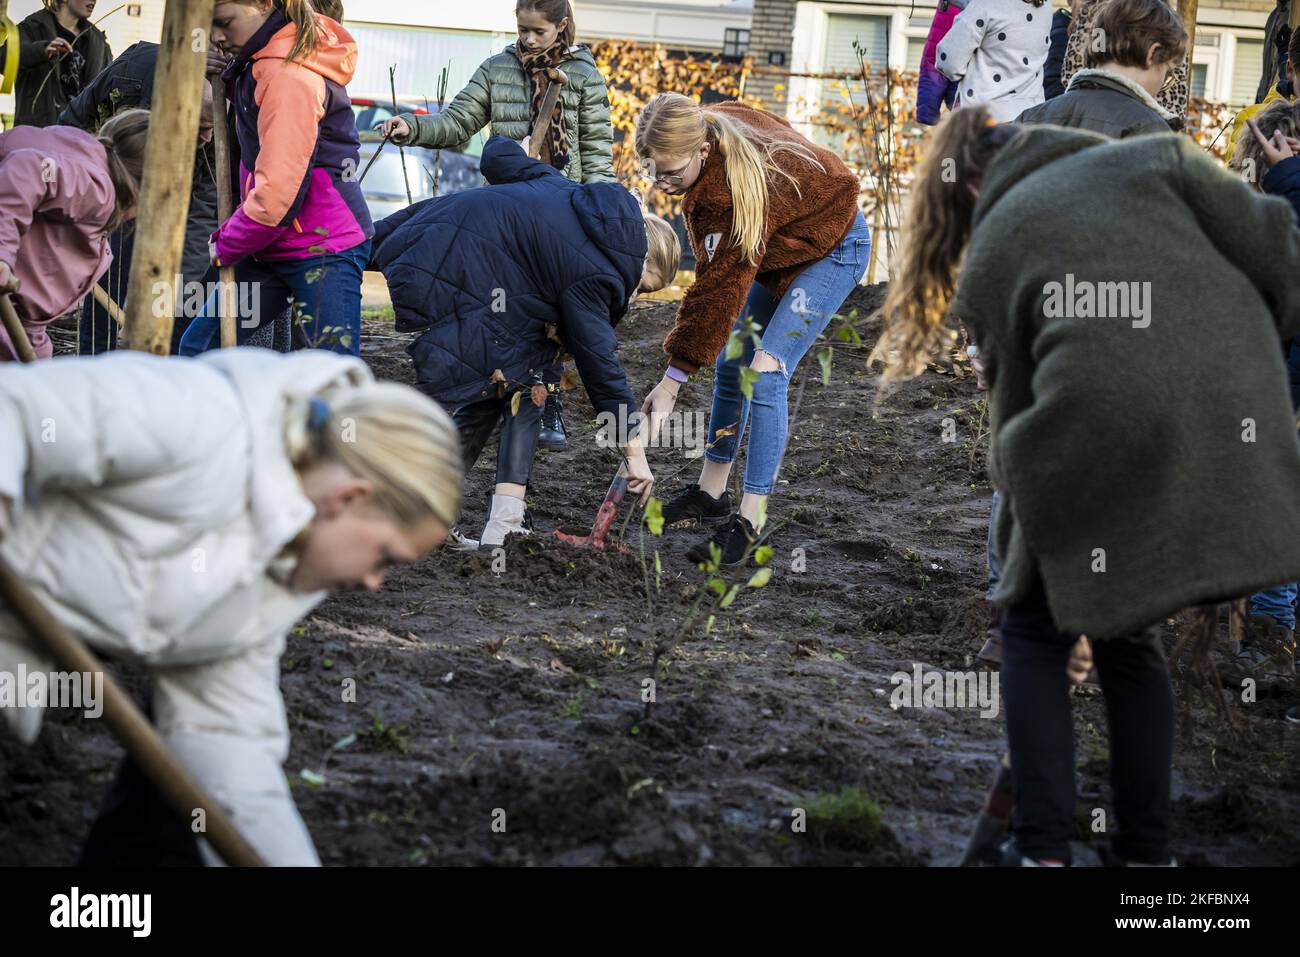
point(800, 230)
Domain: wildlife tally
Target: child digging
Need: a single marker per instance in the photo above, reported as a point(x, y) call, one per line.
point(224, 498)
point(529, 254)
point(506, 92)
point(62, 192)
point(301, 232)
point(778, 239)
point(1128, 489)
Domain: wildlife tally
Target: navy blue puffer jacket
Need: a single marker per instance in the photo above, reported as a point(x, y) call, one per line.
point(486, 270)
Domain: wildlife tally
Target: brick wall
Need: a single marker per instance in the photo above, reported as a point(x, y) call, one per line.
point(771, 30)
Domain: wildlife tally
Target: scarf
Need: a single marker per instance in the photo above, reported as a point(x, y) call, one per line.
point(542, 68)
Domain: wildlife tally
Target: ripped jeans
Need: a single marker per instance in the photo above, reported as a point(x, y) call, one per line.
point(787, 330)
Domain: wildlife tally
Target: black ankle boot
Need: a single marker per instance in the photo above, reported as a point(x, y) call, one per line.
point(551, 435)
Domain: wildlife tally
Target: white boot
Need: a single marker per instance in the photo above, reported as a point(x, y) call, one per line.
point(507, 518)
point(457, 541)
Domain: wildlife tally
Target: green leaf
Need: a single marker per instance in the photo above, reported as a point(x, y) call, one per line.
point(708, 625)
point(718, 585)
point(730, 596)
point(342, 743)
point(321, 231)
point(735, 347)
point(824, 360)
point(654, 520)
point(759, 578)
point(313, 778)
point(763, 554)
point(748, 376)
point(345, 340)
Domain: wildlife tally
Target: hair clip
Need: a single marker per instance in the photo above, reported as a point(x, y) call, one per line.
point(319, 412)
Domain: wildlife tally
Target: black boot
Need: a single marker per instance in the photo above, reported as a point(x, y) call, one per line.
point(551, 435)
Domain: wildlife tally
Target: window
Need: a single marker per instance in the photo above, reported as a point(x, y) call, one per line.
point(735, 42)
point(1198, 79)
point(915, 47)
point(848, 37)
point(133, 9)
point(871, 34)
point(1247, 68)
point(775, 58)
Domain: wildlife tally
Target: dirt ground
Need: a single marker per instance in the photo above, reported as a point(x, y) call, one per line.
point(498, 714)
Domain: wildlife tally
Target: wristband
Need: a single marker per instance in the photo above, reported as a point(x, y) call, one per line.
point(676, 374)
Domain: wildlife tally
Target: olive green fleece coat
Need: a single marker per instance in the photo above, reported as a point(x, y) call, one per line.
point(1159, 445)
point(499, 93)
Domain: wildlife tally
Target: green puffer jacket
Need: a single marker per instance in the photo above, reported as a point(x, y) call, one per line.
point(499, 93)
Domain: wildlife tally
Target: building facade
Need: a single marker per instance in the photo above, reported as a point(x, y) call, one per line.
point(816, 36)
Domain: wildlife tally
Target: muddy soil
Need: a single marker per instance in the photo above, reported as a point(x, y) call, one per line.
point(499, 714)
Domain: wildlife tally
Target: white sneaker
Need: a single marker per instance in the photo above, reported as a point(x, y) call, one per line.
point(506, 518)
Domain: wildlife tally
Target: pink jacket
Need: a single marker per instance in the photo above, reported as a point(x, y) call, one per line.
point(55, 200)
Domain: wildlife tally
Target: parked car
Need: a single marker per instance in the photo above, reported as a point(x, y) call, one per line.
point(385, 186)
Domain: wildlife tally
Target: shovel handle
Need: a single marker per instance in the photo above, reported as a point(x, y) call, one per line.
point(17, 334)
point(225, 207)
point(127, 723)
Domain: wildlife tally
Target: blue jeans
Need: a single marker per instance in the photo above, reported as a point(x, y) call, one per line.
point(787, 328)
point(326, 289)
point(1279, 603)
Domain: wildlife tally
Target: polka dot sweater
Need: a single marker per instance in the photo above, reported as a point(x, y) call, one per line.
point(995, 51)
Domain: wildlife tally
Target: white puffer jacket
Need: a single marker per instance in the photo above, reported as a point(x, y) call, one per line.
point(149, 498)
point(995, 50)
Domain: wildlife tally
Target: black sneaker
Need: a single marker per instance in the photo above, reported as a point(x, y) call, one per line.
point(691, 506)
point(551, 435)
point(734, 539)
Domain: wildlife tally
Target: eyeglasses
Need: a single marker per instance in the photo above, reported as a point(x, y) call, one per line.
point(675, 177)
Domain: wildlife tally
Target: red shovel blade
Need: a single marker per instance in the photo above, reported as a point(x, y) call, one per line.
point(605, 516)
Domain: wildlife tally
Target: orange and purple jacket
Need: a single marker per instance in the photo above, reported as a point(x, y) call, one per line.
point(298, 147)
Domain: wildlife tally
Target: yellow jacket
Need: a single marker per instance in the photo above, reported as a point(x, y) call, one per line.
point(1239, 122)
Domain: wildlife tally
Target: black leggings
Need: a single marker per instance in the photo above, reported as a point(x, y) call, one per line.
point(475, 422)
point(1040, 728)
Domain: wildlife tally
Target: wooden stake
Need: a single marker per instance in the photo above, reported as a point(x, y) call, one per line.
point(225, 207)
point(1187, 10)
point(168, 173)
point(128, 724)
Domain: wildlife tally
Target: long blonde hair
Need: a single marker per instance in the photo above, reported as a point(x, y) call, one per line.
point(675, 125)
point(124, 137)
point(935, 235)
point(396, 438)
point(664, 249)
